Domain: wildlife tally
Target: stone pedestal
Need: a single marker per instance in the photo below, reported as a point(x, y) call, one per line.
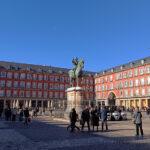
point(74, 100)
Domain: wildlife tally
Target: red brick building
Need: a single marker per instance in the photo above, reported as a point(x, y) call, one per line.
point(35, 85)
point(125, 85)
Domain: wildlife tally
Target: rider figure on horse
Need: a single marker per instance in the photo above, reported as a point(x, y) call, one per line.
point(75, 62)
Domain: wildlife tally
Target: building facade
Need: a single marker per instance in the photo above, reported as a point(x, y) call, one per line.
point(26, 85)
point(126, 85)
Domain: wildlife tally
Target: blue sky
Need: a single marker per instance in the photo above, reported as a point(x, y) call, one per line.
point(105, 33)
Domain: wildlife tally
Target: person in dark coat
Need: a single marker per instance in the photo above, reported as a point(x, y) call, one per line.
point(94, 118)
point(104, 112)
point(85, 117)
point(21, 115)
point(73, 119)
point(26, 115)
point(138, 121)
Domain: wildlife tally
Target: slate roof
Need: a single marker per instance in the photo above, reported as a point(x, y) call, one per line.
point(36, 68)
point(126, 66)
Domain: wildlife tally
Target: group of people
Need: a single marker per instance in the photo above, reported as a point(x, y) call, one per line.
point(91, 117)
point(94, 115)
point(13, 114)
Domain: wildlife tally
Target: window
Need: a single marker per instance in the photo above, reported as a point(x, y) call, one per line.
point(142, 81)
point(137, 92)
point(28, 85)
point(130, 73)
point(51, 86)
point(2, 93)
point(61, 87)
point(45, 94)
point(34, 77)
point(9, 84)
point(15, 84)
point(9, 75)
point(143, 92)
point(45, 85)
point(29, 76)
point(131, 93)
point(40, 77)
point(148, 91)
point(56, 86)
point(111, 86)
point(135, 72)
point(136, 82)
point(131, 83)
point(51, 78)
point(126, 93)
point(16, 75)
point(2, 83)
point(148, 80)
point(40, 85)
point(56, 78)
point(120, 86)
point(111, 78)
point(148, 69)
point(56, 95)
point(21, 93)
point(124, 75)
point(33, 93)
point(34, 85)
point(8, 93)
point(141, 70)
point(126, 84)
point(3, 74)
point(39, 94)
point(22, 84)
point(61, 79)
point(22, 76)
point(27, 93)
point(61, 95)
point(45, 77)
point(15, 93)
point(50, 94)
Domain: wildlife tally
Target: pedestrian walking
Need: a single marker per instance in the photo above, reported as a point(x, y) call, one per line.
point(85, 118)
point(21, 113)
point(73, 119)
point(94, 118)
point(138, 121)
point(26, 115)
point(103, 113)
point(14, 114)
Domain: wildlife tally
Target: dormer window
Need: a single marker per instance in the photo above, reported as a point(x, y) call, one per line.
point(121, 67)
point(142, 61)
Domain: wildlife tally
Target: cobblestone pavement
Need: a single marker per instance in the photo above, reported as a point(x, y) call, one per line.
point(44, 133)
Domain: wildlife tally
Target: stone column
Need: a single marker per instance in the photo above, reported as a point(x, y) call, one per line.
point(14, 103)
point(17, 103)
point(30, 103)
point(140, 103)
point(134, 103)
point(48, 104)
point(106, 102)
point(146, 102)
point(4, 103)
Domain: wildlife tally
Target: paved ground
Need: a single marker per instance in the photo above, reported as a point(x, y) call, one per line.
point(44, 133)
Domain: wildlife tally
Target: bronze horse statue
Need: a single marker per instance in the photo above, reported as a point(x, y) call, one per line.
point(76, 72)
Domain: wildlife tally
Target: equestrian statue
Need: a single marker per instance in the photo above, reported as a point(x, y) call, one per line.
point(76, 72)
